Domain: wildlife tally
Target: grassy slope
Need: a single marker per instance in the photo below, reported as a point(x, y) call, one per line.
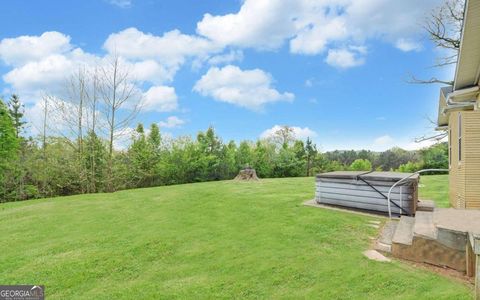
point(217, 239)
point(435, 187)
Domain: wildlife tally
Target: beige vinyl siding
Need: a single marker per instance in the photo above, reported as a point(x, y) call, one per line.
point(464, 181)
point(472, 158)
point(457, 168)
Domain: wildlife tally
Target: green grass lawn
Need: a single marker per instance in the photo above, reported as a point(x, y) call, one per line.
point(435, 187)
point(203, 241)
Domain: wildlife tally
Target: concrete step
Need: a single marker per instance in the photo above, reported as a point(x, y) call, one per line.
point(384, 242)
point(404, 231)
point(424, 226)
point(425, 205)
point(437, 238)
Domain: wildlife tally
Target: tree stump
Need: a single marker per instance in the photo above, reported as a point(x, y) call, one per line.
point(247, 174)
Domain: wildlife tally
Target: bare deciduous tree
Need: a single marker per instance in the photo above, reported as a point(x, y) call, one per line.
point(444, 27)
point(120, 103)
point(284, 135)
point(45, 108)
point(93, 101)
point(70, 112)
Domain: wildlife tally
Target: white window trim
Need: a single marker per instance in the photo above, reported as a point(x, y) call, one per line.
point(449, 147)
point(460, 137)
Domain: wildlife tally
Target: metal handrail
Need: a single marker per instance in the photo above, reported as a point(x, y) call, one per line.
point(405, 178)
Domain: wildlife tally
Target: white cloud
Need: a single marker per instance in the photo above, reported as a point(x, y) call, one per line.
point(313, 39)
point(41, 64)
point(160, 99)
point(251, 89)
point(26, 48)
point(315, 26)
point(260, 24)
point(171, 49)
point(380, 143)
point(121, 3)
point(60, 114)
point(123, 138)
point(384, 141)
point(299, 132)
point(152, 71)
point(158, 58)
point(37, 74)
point(49, 74)
point(34, 114)
point(171, 122)
point(309, 82)
point(407, 45)
point(344, 58)
point(232, 56)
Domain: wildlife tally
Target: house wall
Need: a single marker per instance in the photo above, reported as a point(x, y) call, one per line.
point(465, 174)
point(472, 158)
point(457, 167)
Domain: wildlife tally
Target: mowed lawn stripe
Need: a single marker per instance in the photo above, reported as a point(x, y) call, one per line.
point(206, 240)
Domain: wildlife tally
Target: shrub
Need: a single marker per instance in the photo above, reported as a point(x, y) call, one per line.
point(361, 165)
point(409, 167)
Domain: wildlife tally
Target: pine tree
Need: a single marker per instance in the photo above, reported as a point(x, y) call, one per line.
point(9, 146)
point(142, 159)
point(311, 152)
point(16, 111)
point(154, 137)
point(155, 142)
point(95, 158)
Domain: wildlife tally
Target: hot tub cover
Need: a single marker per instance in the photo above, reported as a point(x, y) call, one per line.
point(375, 176)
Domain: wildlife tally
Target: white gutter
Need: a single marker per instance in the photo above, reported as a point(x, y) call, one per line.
point(467, 106)
point(441, 128)
point(452, 104)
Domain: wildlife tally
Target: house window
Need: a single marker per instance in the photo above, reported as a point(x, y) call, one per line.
point(449, 147)
point(459, 137)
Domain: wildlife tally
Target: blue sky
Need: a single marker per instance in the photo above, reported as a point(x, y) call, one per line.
point(336, 70)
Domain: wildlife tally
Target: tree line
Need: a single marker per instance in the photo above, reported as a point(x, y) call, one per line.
point(53, 165)
point(75, 149)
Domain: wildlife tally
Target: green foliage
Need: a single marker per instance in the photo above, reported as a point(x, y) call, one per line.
point(154, 138)
point(9, 146)
point(31, 192)
point(264, 158)
point(95, 161)
point(310, 154)
point(16, 110)
point(287, 164)
point(32, 168)
point(409, 167)
point(57, 173)
point(9, 143)
point(143, 158)
point(435, 157)
point(244, 155)
point(361, 165)
point(392, 158)
point(335, 165)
